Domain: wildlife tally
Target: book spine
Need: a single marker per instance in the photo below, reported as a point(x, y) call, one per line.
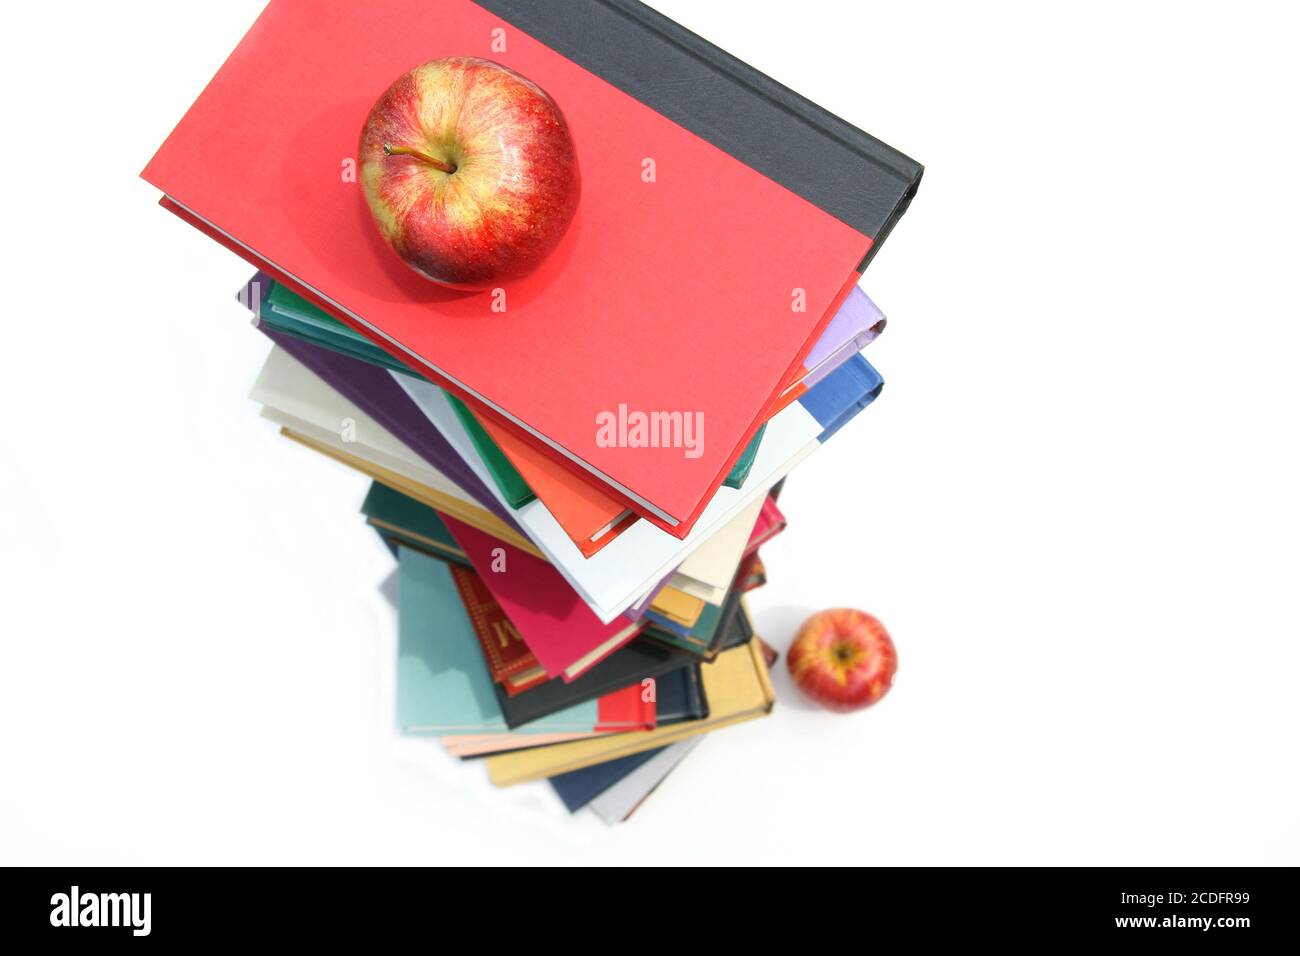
point(738, 109)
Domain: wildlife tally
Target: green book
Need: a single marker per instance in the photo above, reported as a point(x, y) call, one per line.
point(288, 326)
point(283, 311)
point(696, 640)
point(280, 299)
point(740, 470)
point(507, 479)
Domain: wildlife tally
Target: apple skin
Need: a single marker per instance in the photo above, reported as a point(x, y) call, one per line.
point(515, 184)
point(842, 658)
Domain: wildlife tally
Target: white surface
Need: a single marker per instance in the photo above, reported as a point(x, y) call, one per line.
point(1075, 505)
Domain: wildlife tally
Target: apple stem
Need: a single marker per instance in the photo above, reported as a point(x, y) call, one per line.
point(420, 155)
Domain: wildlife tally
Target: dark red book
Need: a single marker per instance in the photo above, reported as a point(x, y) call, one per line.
point(510, 662)
point(697, 293)
point(771, 522)
point(564, 635)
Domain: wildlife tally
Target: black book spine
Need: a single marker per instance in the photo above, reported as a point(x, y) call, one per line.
point(786, 137)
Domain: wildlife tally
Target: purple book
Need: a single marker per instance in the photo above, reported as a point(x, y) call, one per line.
point(373, 390)
point(857, 323)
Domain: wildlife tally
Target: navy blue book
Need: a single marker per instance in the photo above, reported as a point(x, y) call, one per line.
point(679, 696)
point(579, 787)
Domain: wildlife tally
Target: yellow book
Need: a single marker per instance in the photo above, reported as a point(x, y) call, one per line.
point(736, 685)
point(676, 605)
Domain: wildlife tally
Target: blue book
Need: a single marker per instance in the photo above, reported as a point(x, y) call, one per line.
point(579, 787)
point(679, 698)
point(842, 394)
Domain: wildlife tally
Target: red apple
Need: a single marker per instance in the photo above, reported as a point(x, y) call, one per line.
point(843, 659)
point(469, 170)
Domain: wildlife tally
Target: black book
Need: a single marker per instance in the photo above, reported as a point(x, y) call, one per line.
point(726, 633)
point(679, 696)
point(579, 787)
point(769, 127)
point(629, 665)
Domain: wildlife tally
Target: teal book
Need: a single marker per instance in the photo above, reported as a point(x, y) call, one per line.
point(284, 311)
point(406, 521)
point(511, 484)
point(695, 639)
point(712, 631)
point(443, 682)
point(740, 470)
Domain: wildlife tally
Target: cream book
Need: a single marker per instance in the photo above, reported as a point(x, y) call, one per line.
point(296, 398)
point(707, 573)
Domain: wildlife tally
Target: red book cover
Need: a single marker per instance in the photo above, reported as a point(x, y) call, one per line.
point(697, 292)
point(626, 709)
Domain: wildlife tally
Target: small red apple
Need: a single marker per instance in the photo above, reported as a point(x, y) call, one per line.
point(469, 171)
point(843, 659)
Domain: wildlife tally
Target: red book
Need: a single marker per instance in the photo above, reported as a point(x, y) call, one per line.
point(770, 523)
point(626, 709)
point(559, 628)
point(697, 293)
point(509, 660)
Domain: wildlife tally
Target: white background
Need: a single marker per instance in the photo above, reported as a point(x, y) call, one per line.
point(1075, 505)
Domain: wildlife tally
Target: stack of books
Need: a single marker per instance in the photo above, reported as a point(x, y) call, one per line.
point(575, 472)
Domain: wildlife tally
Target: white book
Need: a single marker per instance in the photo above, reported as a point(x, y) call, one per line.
point(294, 397)
point(695, 589)
point(611, 580)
